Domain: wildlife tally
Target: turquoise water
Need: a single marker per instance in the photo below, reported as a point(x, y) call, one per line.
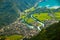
point(50, 3)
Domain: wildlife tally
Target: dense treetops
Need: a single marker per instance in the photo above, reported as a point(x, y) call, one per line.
point(8, 13)
point(50, 33)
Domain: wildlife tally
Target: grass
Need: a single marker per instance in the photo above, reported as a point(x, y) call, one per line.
point(31, 9)
point(42, 16)
point(22, 16)
point(12, 37)
point(57, 15)
point(29, 20)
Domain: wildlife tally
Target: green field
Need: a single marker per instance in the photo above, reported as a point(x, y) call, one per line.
point(29, 20)
point(57, 15)
point(45, 16)
point(12, 37)
point(42, 16)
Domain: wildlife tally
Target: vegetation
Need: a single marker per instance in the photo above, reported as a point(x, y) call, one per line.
point(29, 20)
point(42, 16)
point(50, 33)
point(11, 37)
point(57, 15)
point(8, 14)
point(29, 10)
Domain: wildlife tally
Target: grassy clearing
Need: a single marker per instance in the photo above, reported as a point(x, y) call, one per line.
point(12, 37)
point(42, 16)
point(29, 20)
point(22, 16)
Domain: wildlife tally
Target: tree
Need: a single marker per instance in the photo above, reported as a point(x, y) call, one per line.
point(50, 33)
point(8, 14)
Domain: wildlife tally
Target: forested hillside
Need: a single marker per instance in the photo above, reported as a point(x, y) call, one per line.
point(50, 33)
